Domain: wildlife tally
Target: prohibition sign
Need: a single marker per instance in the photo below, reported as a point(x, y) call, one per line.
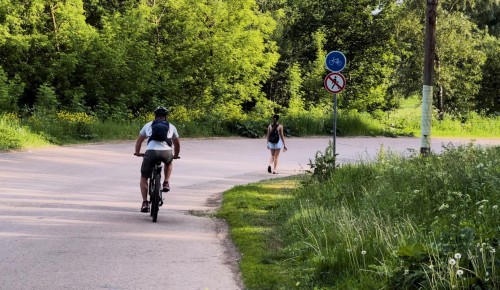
point(334, 82)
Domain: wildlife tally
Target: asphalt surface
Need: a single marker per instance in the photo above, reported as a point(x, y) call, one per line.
point(69, 216)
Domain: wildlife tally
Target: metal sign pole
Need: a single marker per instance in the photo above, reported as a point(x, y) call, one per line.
point(335, 82)
point(334, 128)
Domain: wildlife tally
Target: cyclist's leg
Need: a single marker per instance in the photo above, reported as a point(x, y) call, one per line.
point(167, 173)
point(144, 188)
point(166, 158)
point(146, 170)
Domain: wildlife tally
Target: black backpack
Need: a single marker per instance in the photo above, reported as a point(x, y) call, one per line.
point(159, 131)
point(274, 137)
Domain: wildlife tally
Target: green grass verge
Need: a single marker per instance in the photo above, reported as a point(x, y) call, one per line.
point(249, 210)
point(397, 223)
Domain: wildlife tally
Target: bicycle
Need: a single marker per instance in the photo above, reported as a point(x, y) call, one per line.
point(155, 190)
point(336, 62)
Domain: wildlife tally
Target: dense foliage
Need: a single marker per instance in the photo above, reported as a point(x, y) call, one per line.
point(234, 58)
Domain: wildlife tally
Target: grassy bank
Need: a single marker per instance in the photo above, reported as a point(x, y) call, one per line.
point(69, 128)
point(416, 223)
point(15, 135)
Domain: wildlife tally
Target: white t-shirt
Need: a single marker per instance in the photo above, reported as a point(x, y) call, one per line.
point(158, 145)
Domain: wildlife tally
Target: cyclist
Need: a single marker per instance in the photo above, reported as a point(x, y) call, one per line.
point(156, 151)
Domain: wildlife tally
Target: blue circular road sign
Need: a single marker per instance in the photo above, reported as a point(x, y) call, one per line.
point(335, 61)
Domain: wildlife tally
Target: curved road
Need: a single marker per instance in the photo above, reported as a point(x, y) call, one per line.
point(69, 216)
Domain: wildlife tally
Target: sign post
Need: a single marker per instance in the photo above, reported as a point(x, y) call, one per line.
point(334, 83)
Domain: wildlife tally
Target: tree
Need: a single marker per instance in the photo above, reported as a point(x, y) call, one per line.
point(43, 43)
point(351, 27)
point(10, 90)
point(459, 73)
point(488, 98)
point(212, 53)
point(460, 56)
point(119, 69)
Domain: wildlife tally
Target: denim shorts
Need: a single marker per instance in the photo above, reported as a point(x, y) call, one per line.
point(278, 145)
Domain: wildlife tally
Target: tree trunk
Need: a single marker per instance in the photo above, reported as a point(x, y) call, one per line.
point(53, 8)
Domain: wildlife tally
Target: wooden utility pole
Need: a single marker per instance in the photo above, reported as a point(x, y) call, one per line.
point(430, 52)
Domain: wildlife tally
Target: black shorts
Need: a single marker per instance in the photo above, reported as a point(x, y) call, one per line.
point(150, 158)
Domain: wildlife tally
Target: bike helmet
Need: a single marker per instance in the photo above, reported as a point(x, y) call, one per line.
point(161, 111)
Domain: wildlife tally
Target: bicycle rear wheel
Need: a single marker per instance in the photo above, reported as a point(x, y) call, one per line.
point(155, 196)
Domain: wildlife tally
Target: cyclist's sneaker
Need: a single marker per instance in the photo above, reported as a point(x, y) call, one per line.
point(145, 206)
point(166, 187)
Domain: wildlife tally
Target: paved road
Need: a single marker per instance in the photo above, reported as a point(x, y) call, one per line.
point(69, 216)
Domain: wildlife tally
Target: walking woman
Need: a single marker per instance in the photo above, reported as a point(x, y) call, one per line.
point(275, 141)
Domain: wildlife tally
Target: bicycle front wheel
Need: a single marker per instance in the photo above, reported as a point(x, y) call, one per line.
point(155, 197)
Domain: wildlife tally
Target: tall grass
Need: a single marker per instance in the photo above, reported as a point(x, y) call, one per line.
point(398, 223)
point(14, 135)
point(66, 128)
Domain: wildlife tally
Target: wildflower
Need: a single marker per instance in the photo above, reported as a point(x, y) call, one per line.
point(407, 272)
point(492, 250)
point(363, 252)
point(431, 267)
point(452, 262)
point(495, 207)
point(460, 272)
point(458, 256)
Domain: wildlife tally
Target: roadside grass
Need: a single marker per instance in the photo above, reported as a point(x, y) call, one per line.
point(16, 136)
point(396, 223)
point(406, 120)
point(249, 209)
